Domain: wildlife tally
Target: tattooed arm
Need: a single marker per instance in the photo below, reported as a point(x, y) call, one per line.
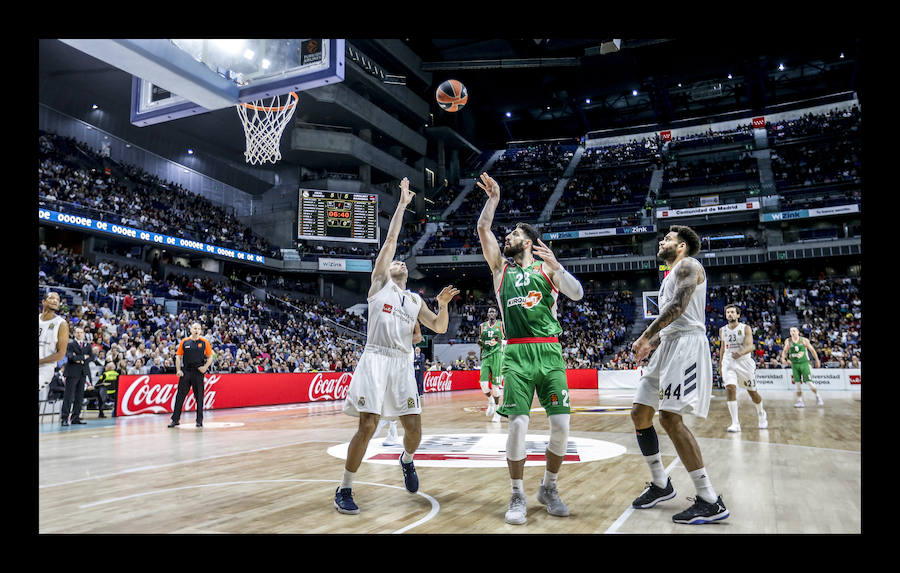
point(686, 277)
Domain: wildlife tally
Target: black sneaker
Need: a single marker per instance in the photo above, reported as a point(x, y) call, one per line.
point(410, 478)
point(653, 495)
point(173, 424)
point(343, 501)
point(702, 512)
point(199, 424)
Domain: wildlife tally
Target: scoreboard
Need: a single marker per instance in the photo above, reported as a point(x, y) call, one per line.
point(331, 216)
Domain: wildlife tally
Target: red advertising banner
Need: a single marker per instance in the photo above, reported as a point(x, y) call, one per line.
point(155, 393)
point(665, 135)
point(759, 122)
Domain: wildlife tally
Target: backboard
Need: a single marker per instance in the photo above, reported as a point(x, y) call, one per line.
point(176, 78)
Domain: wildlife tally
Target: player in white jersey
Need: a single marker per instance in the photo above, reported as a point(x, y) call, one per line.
point(737, 368)
point(391, 439)
point(384, 382)
point(53, 338)
point(678, 378)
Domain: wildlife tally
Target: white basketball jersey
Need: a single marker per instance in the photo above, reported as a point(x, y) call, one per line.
point(48, 334)
point(693, 319)
point(392, 318)
point(733, 340)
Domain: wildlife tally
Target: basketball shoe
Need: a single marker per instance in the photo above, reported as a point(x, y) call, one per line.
point(518, 509)
point(549, 496)
point(410, 477)
point(654, 494)
point(734, 428)
point(343, 501)
point(702, 512)
point(763, 421)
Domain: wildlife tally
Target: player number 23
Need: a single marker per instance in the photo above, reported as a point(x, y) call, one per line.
point(523, 279)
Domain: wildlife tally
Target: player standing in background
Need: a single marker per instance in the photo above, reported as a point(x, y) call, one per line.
point(526, 291)
point(678, 378)
point(383, 383)
point(53, 339)
point(490, 342)
point(737, 368)
point(796, 349)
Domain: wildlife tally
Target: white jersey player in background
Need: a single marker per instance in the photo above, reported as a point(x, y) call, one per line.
point(384, 382)
point(678, 378)
point(53, 338)
point(737, 368)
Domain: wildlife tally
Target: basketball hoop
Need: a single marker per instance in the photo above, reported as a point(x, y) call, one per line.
point(263, 125)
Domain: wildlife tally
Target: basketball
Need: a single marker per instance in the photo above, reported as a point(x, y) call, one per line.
point(452, 95)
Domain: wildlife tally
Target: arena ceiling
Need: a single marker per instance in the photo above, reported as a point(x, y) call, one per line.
point(544, 84)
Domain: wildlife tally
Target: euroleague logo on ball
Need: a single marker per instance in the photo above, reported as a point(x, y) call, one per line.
point(452, 95)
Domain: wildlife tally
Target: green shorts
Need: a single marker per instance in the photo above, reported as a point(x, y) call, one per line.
point(490, 368)
point(534, 367)
point(800, 373)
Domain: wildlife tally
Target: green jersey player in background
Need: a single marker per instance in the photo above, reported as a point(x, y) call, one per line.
point(526, 291)
point(796, 348)
point(490, 342)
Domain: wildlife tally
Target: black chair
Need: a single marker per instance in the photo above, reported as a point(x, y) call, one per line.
point(55, 394)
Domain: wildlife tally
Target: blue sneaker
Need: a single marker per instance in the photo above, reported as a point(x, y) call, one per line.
point(410, 478)
point(343, 501)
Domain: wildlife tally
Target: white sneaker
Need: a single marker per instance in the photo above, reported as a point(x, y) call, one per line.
point(496, 417)
point(799, 404)
point(734, 428)
point(517, 509)
point(819, 401)
point(549, 496)
point(490, 409)
point(391, 439)
point(764, 421)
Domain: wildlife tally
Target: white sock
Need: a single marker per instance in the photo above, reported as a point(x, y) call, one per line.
point(517, 486)
point(657, 471)
point(381, 424)
point(347, 481)
point(549, 478)
point(759, 409)
point(406, 457)
point(733, 409)
point(704, 486)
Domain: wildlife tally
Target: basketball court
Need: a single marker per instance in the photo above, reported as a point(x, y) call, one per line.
point(274, 470)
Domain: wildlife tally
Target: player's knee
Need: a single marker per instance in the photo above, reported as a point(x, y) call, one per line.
point(368, 423)
point(515, 440)
point(670, 421)
point(641, 415)
point(559, 434)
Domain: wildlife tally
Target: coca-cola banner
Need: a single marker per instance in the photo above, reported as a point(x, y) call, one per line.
point(155, 393)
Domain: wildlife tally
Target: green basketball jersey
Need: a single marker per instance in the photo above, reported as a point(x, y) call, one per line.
point(797, 353)
point(527, 300)
point(491, 338)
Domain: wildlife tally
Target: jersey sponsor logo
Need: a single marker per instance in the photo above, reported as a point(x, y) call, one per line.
point(387, 308)
point(530, 300)
point(484, 450)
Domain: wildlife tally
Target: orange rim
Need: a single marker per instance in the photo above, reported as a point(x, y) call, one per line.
point(274, 108)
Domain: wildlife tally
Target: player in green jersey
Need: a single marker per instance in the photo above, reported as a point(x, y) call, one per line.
point(796, 348)
point(490, 341)
point(526, 291)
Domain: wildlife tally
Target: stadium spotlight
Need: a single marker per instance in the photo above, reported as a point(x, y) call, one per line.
point(190, 151)
point(780, 67)
point(729, 76)
point(634, 92)
point(842, 55)
point(266, 63)
point(587, 100)
point(508, 114)
point(248, 54)
point(95, 106)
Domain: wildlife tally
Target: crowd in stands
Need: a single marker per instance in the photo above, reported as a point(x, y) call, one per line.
point(830, 315)
point(543, 157)
point(708, 173)
point(647, 149)
point(820, 163)
point(737, 134)
point(759, 306)
point(135, 198)
point(840, 122)
point(589, 193)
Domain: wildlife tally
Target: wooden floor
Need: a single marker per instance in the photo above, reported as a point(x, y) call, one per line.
point(269, 470)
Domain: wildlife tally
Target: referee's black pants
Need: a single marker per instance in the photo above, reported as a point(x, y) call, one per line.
point(191, 380)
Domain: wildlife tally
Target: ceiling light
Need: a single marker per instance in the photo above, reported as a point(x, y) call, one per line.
point(587, 100)
point(729, 76)
point(265, 64)
point(229, 46)
point(842, 55)
point(248, 54)
point(508, 114)
point(781, 67)
point(190, 151)
point(634, 92)
point(94, 106)
point(679, 84)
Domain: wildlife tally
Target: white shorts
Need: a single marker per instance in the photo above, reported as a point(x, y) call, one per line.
point(45, 375)
point(678, 378)
point(383, 383)
point(740, 373)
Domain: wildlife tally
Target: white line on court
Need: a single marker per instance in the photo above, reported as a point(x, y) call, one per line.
point(435, 506)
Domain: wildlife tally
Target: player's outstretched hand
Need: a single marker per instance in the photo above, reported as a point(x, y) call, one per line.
point(447, 294)
point(544, 252)
point(489, 186)
point(641, 349)
point(406, 196)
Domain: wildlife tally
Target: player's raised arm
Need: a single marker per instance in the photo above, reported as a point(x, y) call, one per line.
point(380, 273)
point(438, 322)
point(489, 246)
point(686, 276)
point(560, 277)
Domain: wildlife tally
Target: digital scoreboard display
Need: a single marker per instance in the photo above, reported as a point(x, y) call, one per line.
point(331, 216)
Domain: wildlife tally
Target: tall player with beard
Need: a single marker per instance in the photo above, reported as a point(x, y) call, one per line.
point(526, 291)
point(53, 339)
point(384, 382)
point(678, 378)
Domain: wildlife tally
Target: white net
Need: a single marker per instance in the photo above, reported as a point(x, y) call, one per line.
point(264, 121)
